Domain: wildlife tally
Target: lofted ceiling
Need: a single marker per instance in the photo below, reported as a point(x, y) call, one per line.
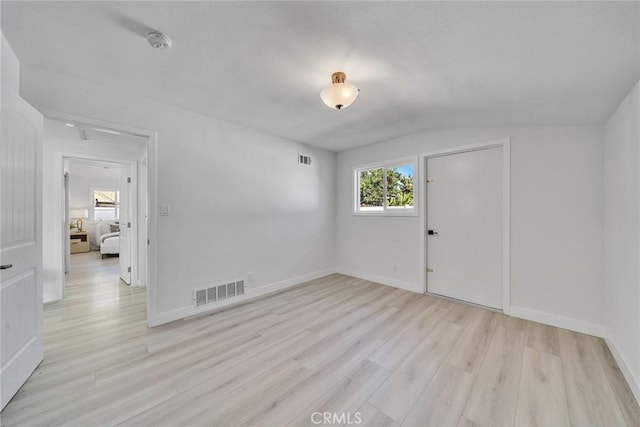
point(419, 65)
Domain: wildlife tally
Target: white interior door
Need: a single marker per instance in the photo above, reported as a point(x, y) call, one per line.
point(125, 229)
point(20, 243)
point(464, 213)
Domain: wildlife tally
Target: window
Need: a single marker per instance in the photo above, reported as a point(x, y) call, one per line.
point(106, 205)
point(385, 189)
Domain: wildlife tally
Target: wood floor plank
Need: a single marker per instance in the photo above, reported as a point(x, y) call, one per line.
point(321, 346)
point(25, 401)
point(462, 314)
point(469, 351)
point(234, 406)
point(397, 395)
point(398, 347)
point(493, 398)
point(543, 338)
point(348, 334)
point(265, 354)
point(280, 410)
point(466, 422)
point(541, 398)
point(624, 395)
point(442, 402)
point(411, 309)
point(198, 395)
point(347, 396)
point(589, 395)
point(370, 416)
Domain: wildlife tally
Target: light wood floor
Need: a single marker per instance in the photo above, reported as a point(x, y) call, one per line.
point(336, 344)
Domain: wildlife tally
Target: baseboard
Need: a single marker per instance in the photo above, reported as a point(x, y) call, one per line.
point(158, 319)
point(634, 384)
point(389, 281)
point(558, 321)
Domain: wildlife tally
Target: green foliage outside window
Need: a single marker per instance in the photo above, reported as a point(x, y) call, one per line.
point(371, 189)
point(399, 188)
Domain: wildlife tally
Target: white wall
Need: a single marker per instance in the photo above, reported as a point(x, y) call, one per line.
point(556, 220)
point(81, 186)
point(621, 295)
point(10, 66)
point(239, 202)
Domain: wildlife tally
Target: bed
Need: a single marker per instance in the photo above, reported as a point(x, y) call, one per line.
point(110, 244)
point(109, 240)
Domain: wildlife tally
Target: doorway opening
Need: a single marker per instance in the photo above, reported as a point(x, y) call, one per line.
point(101, 215)
point(101, 176)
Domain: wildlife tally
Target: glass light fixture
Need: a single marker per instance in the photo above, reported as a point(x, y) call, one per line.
point(339, 94)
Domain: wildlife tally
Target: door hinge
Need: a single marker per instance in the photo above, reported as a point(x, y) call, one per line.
point(128, 269)
point(148, 241)
point(429, 270)
point(129, 179)
point(429, 181)
point(128, 225)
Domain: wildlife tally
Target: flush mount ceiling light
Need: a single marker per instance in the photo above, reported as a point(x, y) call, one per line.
point(339, 94)
point(158, 40)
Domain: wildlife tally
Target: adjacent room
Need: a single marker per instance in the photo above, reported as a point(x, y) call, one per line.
point(320, 213)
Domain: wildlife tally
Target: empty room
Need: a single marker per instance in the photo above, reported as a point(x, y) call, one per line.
point(323, 213)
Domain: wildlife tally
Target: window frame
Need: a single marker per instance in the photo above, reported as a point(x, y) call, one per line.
point(386, 211)
point(92, 205)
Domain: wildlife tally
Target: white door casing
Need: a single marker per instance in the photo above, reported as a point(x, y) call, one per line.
point(20, 243)
point(465, 207)
point(125, 230)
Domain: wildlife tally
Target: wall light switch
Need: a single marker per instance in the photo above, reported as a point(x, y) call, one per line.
point(164, 210)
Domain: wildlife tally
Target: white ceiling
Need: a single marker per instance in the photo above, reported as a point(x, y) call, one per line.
point(419, 65)
point(85, 133)
point(95, 169)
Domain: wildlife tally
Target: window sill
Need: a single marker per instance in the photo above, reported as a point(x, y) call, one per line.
point(386, 213)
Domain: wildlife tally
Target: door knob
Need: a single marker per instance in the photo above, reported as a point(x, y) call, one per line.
point(6, 266)
point(432, 233)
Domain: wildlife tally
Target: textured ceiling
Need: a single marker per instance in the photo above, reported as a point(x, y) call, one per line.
point(419, 65)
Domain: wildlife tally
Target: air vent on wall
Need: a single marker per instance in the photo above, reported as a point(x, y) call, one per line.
point(212, 295)
point(200, 297)
point(222, 292)
point(304, 160)
point(217, 293)
point(231, 289)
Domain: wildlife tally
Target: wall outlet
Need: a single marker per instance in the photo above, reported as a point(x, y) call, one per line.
point(250, 277)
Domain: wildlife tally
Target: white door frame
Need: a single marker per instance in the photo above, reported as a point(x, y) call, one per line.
point(150, 272)
point(134, 245)
point(506, 209)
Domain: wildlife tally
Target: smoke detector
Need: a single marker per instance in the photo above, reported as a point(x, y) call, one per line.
point(158, 40)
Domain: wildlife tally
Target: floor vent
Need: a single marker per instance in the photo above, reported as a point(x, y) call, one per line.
point(218, 293)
